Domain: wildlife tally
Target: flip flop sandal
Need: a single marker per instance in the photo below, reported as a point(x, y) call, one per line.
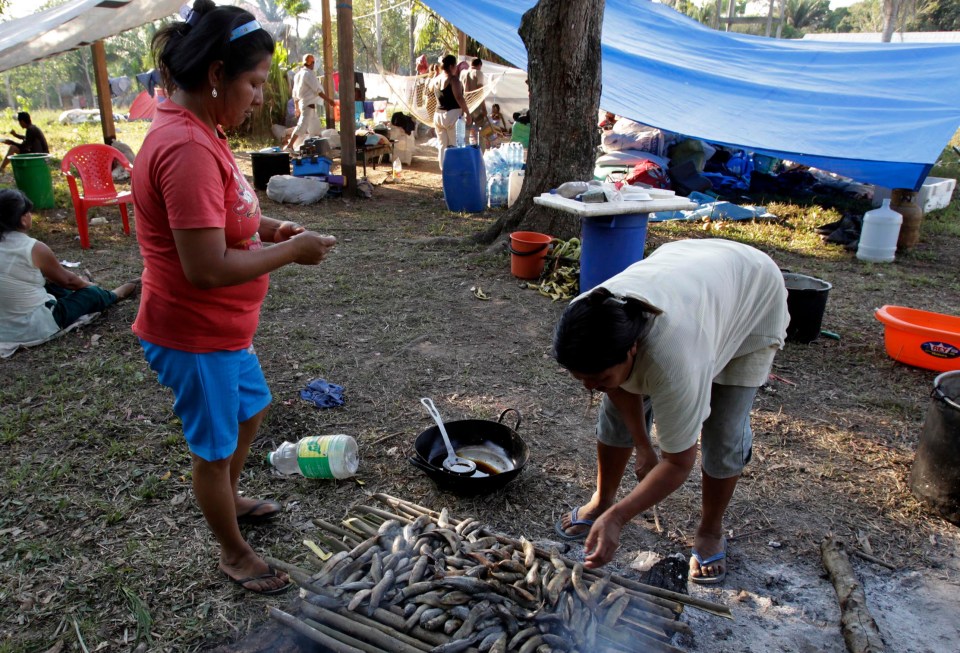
point(255, 514)
point(242, 582)
point(574, 521)
point(708, 580)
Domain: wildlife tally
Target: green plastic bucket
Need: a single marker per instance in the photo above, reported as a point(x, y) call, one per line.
point(32, 174)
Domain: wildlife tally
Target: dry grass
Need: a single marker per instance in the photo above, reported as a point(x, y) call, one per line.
point(100, 538)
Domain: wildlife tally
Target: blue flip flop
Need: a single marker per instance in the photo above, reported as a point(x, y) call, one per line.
point(709, 580)
point(574, 521)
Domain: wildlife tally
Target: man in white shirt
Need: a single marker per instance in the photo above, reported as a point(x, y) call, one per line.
point(306, 94)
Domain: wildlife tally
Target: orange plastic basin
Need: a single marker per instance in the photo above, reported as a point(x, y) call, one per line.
point(921, 338)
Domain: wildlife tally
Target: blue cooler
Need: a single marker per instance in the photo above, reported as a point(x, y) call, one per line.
point(609, 245)
point(464, 180)
point(308, 166)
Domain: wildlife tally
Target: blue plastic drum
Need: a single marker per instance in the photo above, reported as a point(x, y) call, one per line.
point(464, 180)
point(610, 244)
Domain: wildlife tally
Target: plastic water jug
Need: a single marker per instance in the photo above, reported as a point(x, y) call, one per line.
point(514, 186)
point(319, 456)
point(461, 130)
point(878, 236)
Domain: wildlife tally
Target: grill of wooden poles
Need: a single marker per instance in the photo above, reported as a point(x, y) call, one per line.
point(403, 578)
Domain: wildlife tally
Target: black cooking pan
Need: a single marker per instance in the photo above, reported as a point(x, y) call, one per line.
point(499, 452)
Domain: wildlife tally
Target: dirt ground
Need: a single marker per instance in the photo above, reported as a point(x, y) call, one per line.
point(393, 319)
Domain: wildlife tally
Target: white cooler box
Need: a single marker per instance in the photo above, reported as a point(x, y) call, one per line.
point(935, 193)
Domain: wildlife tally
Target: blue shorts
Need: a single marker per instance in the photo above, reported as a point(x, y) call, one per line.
point(213, 394)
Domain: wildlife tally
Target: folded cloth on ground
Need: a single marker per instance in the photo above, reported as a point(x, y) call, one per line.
point(714, 210)
point(323, 394)
point(8, 349)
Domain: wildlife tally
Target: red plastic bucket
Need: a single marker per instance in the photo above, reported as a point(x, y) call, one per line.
point(527, 250)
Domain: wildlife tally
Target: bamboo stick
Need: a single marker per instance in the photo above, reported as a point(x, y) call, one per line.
point(302, 578)
point(670, 624)
point(314, 634)
point(337, 530)
point(707, 606)
point(343, 637)
point(636, 641)
point(384, 514)
point(333, 543)
point(364, 629)
point(360, 526)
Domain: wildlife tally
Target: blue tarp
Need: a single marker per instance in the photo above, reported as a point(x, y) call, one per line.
point(877, 113)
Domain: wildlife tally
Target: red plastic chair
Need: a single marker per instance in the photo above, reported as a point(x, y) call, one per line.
point(94, 164)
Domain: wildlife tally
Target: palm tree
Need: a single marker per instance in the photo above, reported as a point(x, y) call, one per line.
point(806, 14)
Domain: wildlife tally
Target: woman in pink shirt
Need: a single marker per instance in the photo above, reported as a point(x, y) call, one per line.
point(206, 268)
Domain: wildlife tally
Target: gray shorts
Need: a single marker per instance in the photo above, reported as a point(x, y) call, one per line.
point(726, 440)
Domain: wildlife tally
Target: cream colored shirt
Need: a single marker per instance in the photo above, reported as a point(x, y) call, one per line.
point(24, 316)
point(724, 318)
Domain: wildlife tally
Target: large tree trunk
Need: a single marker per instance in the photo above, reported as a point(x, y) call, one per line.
point(563, 72)
point(891, 9)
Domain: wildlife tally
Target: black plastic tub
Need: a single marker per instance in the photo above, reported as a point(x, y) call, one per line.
point(268, 164)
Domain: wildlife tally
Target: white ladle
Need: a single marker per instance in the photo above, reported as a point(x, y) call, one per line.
point(452, 463)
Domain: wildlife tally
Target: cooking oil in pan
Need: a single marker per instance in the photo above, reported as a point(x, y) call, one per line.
point(489, 458)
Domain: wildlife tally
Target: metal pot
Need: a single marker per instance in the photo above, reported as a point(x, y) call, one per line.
point(498, 451)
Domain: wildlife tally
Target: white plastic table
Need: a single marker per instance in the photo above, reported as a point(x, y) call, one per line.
point(613, 234)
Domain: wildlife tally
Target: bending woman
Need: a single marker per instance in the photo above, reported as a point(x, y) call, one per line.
point(694, 328)
point(38, 297)
point(206, 268)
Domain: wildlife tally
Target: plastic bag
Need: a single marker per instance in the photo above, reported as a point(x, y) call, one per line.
point(288, 189)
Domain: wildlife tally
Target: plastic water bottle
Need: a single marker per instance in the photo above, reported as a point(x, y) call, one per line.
point(461, 131)
point(879, 234)
point(319, 456)
point(492, 192)
point(397, 168)
point(571, 189)
point(513, 156)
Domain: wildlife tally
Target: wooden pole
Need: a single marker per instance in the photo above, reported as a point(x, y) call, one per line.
point(461, 43)
point(783, 13)
point(103, 91)
point(860, 631)
point(327, 60)
point(413, 58)
point(378, 26)
point(348, 139)
point(716, 14)
point(730, 13)
point(770, 18)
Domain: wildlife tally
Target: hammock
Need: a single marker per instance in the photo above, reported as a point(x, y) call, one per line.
point(419, 100)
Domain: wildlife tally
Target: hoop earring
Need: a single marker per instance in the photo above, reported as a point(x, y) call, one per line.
point(213, 93)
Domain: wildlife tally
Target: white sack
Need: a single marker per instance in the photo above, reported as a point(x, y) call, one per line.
point(288, 189)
